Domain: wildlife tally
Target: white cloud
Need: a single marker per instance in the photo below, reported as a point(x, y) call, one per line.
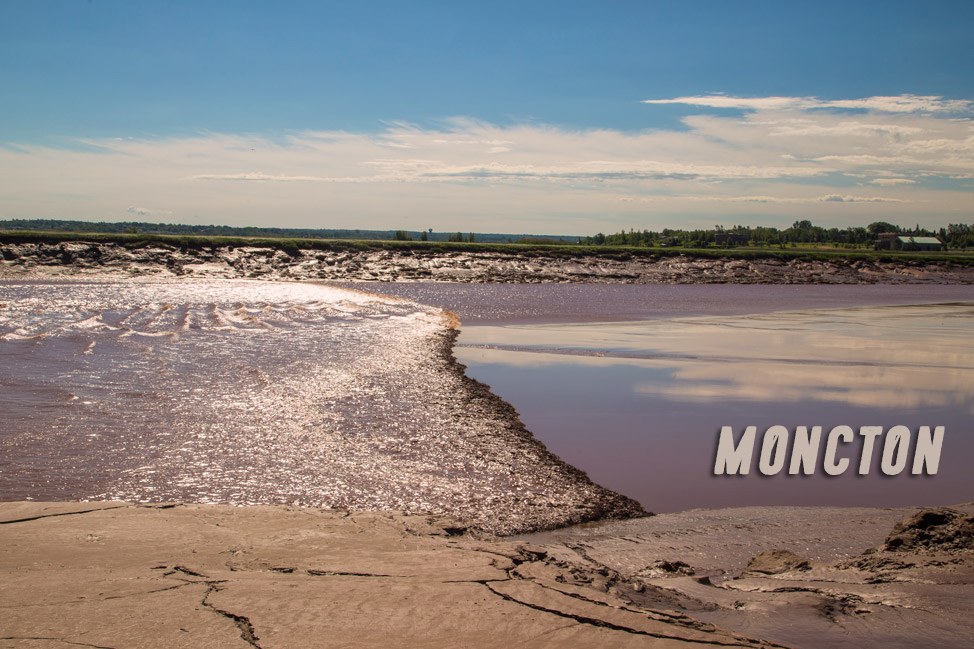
point(891, 104)
point(743, 103)
point(144, 211)
point(904, 104)
point(779, 200)
point(892, 182)
point(260, 176)
point(837, 198)
point(762, 167)
point(806, 127)
point(636, 170)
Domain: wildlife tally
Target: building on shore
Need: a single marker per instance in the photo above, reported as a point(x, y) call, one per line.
point(896, 241)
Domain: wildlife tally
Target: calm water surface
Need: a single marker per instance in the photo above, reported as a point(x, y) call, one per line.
point(632, 383)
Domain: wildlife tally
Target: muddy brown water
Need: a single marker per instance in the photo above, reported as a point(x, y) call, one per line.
point(242, 394)
point(633, 383)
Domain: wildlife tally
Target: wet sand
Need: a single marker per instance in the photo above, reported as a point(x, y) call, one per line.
point(798, 576)
point(118, 575)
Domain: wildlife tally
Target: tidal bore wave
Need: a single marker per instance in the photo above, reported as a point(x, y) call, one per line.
point(250, 392)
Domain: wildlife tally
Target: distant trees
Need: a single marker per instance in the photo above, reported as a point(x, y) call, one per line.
point(801, 232)
point(879, 227)
point(958, 235)
point(955, 235)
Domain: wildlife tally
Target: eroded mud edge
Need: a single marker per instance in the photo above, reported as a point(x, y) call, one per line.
point(599, 504)
point(80, 258)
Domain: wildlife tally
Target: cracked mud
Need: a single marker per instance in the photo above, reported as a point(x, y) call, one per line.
point(218, 576)
point(263, 576)
point(798, 576)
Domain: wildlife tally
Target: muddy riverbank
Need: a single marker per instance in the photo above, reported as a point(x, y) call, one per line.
point(93, 258)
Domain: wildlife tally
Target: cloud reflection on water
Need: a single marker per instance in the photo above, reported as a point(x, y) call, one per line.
point(902, 356)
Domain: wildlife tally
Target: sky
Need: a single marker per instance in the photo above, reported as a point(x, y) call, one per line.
point(521, 117)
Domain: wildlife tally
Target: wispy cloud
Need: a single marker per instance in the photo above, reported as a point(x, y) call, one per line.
point(892, 182)
point(145, 212)
point(260, 176)
point(887, 104)
point(780, 200)
point(838, 198)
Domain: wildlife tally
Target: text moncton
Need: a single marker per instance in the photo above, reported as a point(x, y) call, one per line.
point(800, 452)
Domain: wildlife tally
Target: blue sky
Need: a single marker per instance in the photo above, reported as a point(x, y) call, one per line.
point(526, 116)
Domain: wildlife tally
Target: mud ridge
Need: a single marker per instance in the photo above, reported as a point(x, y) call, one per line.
point(601, 504)
point(88, 257)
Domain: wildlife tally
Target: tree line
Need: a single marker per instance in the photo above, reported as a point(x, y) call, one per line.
point(139, 227)
point(954, 235)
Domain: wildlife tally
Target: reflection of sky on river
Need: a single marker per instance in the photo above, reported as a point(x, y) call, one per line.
point(638, 404)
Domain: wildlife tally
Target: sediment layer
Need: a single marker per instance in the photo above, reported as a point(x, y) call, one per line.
point(85, 258)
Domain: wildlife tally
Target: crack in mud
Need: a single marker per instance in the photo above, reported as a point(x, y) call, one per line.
point(27, 519)
point(107, 598)
point(148, 592)
point(658, 616)
point(61, 640)
point(339, 573)
point(247, 632)
point(242, 622)
point(593, 621)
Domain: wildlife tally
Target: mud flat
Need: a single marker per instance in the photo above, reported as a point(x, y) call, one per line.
point(798, 576)
point(116, 575)
point(121, 575)
point(85, 258)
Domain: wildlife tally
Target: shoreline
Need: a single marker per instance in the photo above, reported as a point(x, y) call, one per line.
point(601, 504)
point(81, 258)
